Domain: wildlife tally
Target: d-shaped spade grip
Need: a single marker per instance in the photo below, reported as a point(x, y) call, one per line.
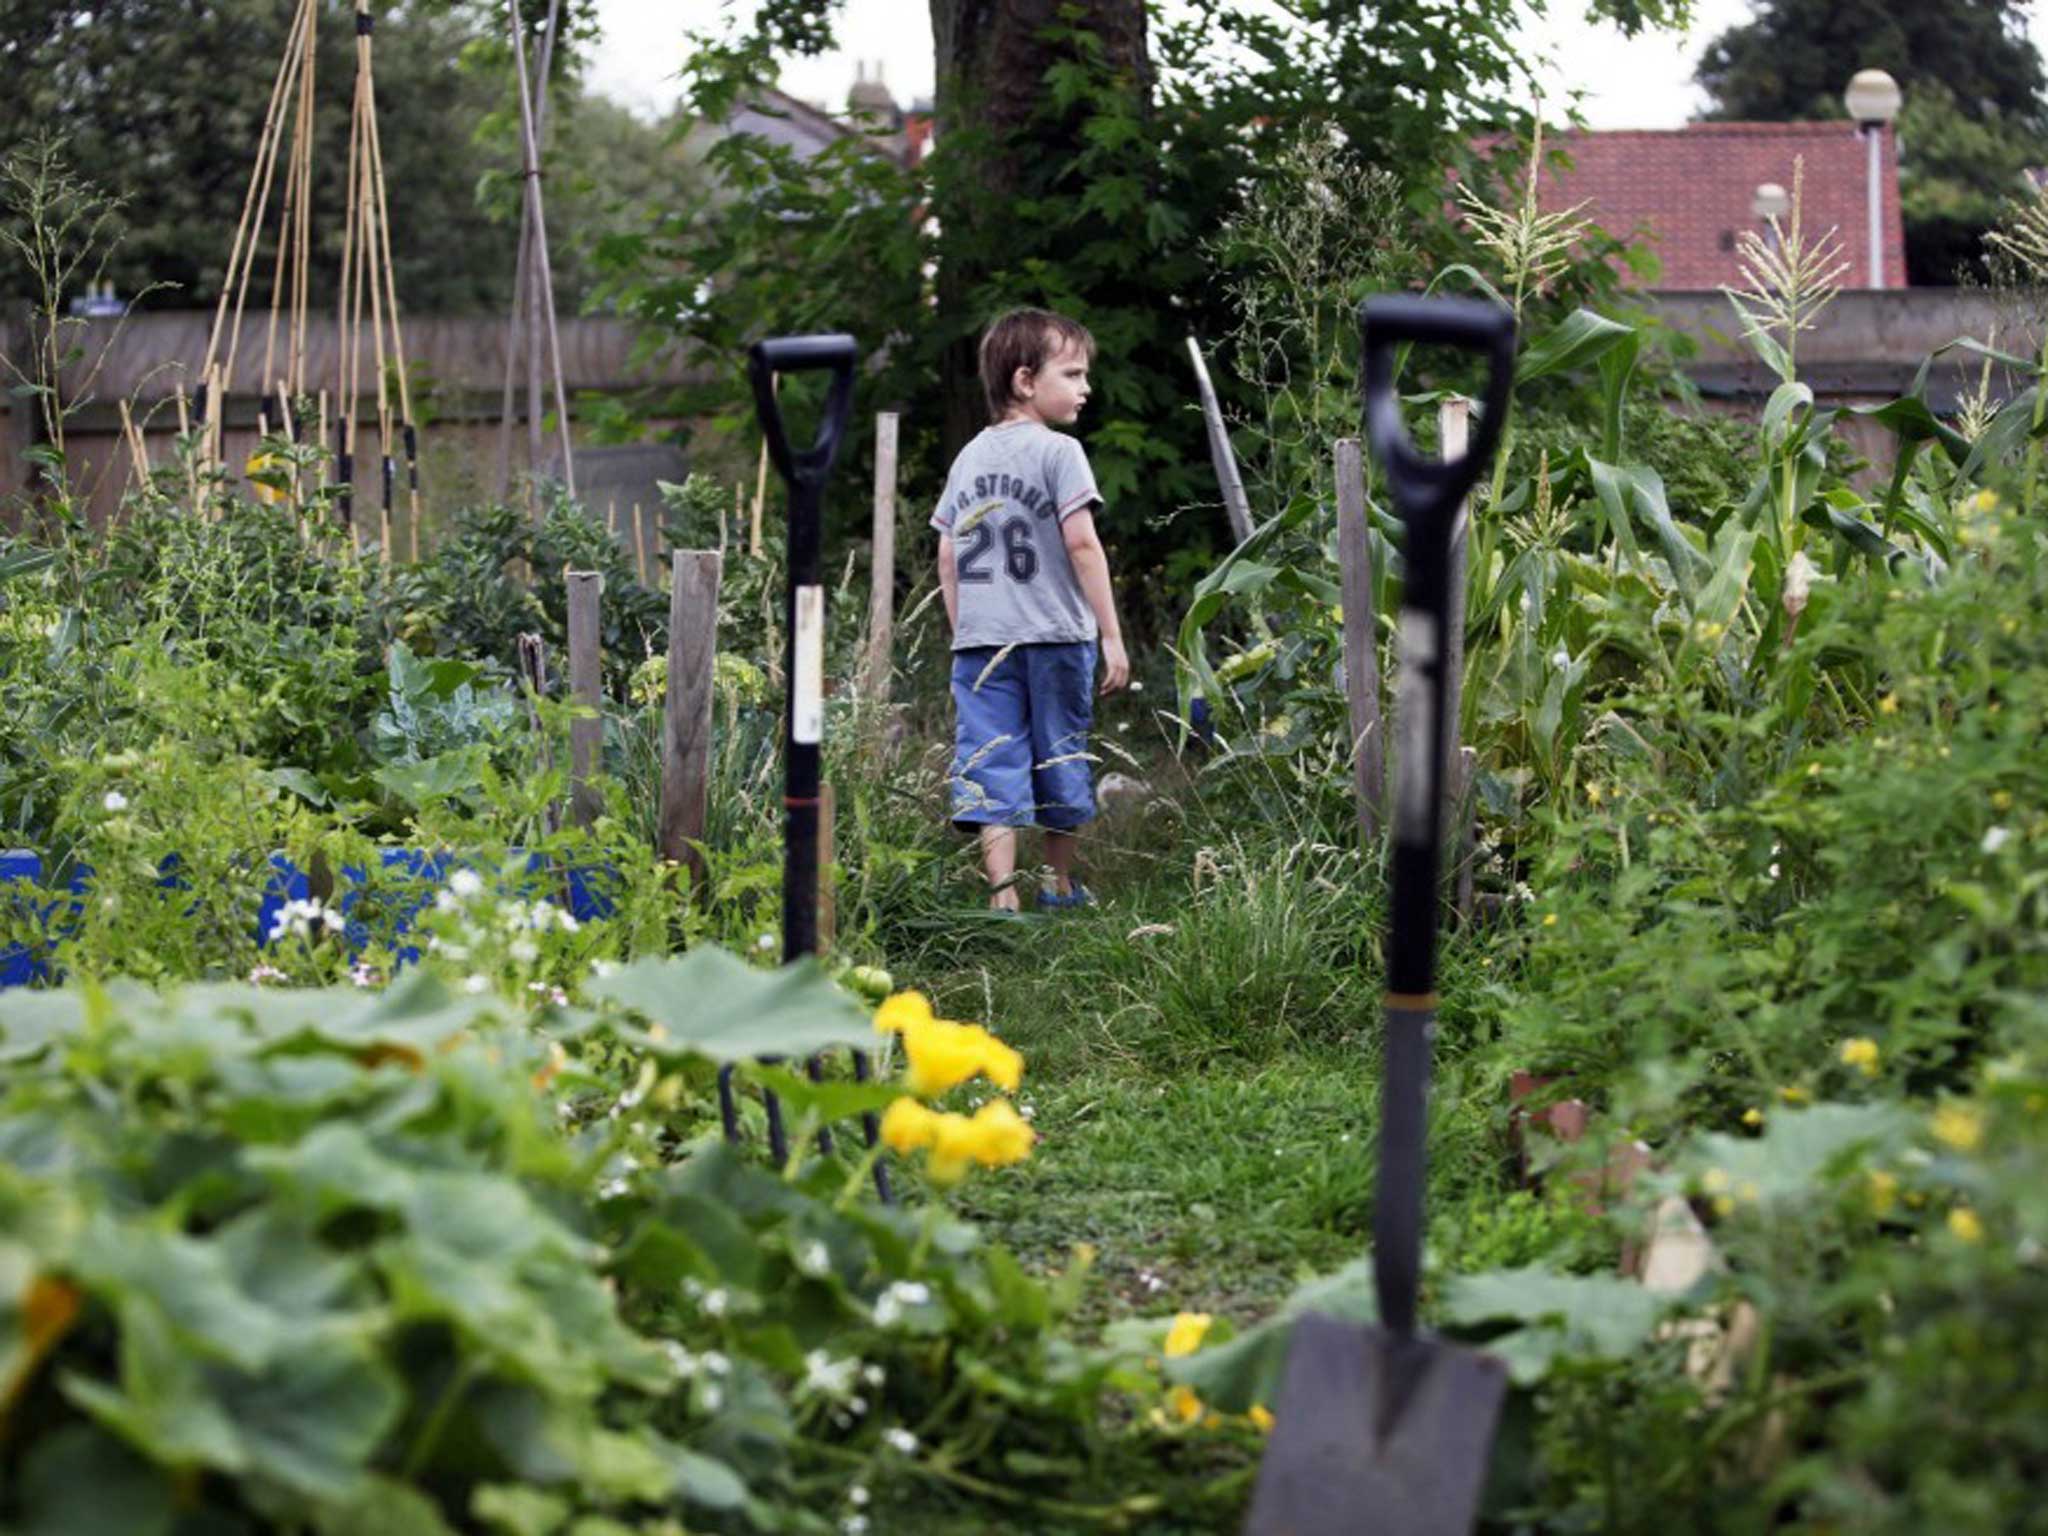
point(1423, 487)
point(802, 354)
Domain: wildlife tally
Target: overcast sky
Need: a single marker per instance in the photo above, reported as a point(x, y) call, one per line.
point(1646, 83)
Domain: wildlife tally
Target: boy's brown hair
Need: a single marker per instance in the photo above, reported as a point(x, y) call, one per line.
point(1024, 338)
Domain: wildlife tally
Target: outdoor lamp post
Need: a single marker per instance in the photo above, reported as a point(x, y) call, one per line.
point(1873, 100)
point(1771, 202)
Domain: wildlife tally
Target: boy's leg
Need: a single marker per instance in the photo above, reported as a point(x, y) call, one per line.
point(991, 780)
point(1062, 714)
point(999, 863)
point(1060, 848)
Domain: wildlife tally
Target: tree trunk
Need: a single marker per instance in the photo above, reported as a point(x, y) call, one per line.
point(999, 142)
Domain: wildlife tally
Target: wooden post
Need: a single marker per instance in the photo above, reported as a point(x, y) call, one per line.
point(1461, 766)
point(640, 543)
point(586, 687)
point(1235, 502)
point(828, 901)
point(1361, 653)
point(882, 593)
point(686, 727)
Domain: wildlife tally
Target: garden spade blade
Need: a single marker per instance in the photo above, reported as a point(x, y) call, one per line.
point(1379, 1430)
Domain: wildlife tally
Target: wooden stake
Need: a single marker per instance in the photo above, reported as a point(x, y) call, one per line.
point(1235, 503)
point(761, 480)
point(640, 543)
point(882, 589)
point(686, 724)
point(1361, 652)
point(586, 687)
point(1461, 766)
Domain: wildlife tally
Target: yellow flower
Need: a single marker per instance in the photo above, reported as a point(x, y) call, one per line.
point(2001, 799)
point(1185, 1405)
point(943, 1055)
point(1550, 919)
point(1187, 1332)
point(1861, 1054)
point(1001, 1135)
point(1593, 794)
point(907, 1126)
point(1714, 1180)
point(900, 1012)
point(1795, 1095)
point(1888, 705)
point(952, 1148)
point(1884, 1191)
point(1958, 1126)
point(1752, 1117)
point(1964, 1223)
point(1261, 1418)
point(264, 464)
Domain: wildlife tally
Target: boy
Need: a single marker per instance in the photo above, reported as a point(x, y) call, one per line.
point(1027, 592)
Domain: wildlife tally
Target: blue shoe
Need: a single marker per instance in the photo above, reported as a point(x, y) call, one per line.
point(1079, 896)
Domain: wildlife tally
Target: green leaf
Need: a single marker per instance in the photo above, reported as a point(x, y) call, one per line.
point(383, 1508)
point(301, 783)
point(31, 1021)
point(1799, 1150)
point(711, 1003)
point(1777, 416)
point(1595, 1315)
point(833, 1099)
point(78, 1480)
point(1909, 419)
point(313, 1420)
point(1582, 337)
point(516, 1510)
point(703, 1480)
point(1247, 1370)
point(1617, 367)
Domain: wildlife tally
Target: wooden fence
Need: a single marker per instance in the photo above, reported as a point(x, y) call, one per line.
point(144, 363)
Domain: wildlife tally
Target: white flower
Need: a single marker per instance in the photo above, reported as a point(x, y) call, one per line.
point(717, 1302)
point(680, 1359)
point(566, 922)
point(1774, 871)
point(363, 975)
point(1799, 575)
point(894, 1298)
point(828, 1377)
point(1995, 839)
point(1560, 658)
point(813, 1260)
point(900, 1440)
point(542, 915)
point(765, 942)
point(611, 1189)
point(873, 1375)
point(856, 1495)
point(525, 951)
point(474, 985)
point(714, 1363)
point(444, 901)
point(712, 1395)
point(466, 883)
point(263, 973)
point(1136, 686)
point(300, 918)
point(854, 1525)
point(115, 800)
point(604, 967)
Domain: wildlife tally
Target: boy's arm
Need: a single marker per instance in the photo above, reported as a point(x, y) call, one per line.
point(949, 581)
point(1091, 569)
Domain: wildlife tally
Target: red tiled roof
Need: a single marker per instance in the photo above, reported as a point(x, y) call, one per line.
point(1692, 188)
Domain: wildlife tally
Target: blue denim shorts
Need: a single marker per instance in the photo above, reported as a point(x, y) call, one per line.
point(1020, 749)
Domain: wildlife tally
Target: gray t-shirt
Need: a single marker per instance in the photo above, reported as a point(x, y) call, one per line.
point(1009, 492)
